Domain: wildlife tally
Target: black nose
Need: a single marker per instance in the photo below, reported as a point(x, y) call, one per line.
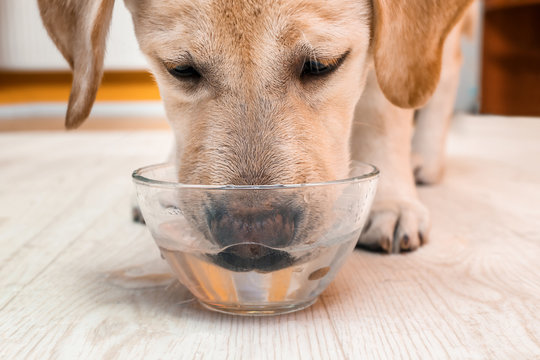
point(274, 227)
point(252, 238)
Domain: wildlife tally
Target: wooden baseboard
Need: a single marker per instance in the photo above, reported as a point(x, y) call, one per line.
point(22, 87)
point(92, 124)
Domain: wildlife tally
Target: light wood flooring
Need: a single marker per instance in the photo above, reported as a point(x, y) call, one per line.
point(66, 234)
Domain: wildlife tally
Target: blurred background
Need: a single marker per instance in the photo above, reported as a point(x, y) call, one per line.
point(501, 69)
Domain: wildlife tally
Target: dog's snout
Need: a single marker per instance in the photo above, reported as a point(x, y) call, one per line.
point(274, 227)
point(253, 239)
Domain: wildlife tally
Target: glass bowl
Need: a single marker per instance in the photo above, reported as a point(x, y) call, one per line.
point(255, 250)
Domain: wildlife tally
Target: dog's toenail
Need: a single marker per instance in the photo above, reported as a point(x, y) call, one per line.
point(421, 237)
point(385, 244)
point(405, 241)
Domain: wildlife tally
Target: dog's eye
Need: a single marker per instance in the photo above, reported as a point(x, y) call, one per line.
point(313, 67)
point(319, 67)
point(184, 71)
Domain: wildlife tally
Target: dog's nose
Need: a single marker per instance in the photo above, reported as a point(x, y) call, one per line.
point(252, 238)
point(274, 227)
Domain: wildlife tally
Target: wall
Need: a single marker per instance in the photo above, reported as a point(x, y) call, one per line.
point(469, 82)
point(24, 45)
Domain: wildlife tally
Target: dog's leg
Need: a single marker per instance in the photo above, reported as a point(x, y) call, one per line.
point(136, 213)
point(433, 120)
point(382, 136)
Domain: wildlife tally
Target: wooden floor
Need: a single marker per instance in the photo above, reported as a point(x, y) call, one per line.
point(66, 239)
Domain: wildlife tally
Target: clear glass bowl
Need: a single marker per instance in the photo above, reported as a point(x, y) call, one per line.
point(255, 250)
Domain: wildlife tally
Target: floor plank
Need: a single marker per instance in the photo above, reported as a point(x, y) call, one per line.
point(65, 231)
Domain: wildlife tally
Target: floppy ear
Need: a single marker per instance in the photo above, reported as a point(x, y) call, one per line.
point(408, 43)
point(79, 30)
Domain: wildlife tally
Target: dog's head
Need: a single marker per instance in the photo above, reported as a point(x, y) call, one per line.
point(257, 92)
point(262, 91)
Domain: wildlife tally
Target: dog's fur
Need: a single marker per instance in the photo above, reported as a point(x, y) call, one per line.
point(252, 118)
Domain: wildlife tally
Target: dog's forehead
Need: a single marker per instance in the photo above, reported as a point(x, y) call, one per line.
point(245, 20)
point(211, 27)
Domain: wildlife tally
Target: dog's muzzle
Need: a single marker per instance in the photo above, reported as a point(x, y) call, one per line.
point(252, 240)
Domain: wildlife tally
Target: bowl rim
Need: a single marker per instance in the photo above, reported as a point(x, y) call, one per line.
point(140, 179)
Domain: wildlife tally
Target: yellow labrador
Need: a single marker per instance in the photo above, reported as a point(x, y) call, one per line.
point(289, 91)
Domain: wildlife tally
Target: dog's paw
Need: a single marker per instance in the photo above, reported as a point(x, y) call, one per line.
point(396, 226)
point(428, 170)
point(136, 214)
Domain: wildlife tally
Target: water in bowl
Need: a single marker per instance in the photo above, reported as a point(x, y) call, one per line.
point(282, 281)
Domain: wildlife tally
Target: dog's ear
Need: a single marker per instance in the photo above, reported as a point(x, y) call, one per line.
point(79, 30)
point(407, 46)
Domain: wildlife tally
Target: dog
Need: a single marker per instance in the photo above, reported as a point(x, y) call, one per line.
point(290, 91)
